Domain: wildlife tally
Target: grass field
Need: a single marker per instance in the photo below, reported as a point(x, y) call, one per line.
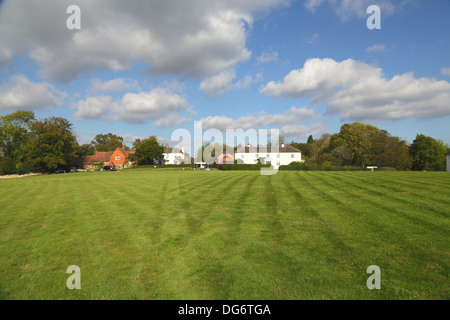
point(167, 234)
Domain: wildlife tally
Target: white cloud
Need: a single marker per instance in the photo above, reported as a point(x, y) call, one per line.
point(170, 120)
point(445, 71)
point(348, 8)
point(359, 91)
point(160, 104)
point(97, 107)
point(21, 93)
point(375, 48)
point(195, 38)
point(119, 84)
point(248, 80)
point(258, 120)
point(143, 106)
point(302, 132)
point(267, 56)
point(130, 138)
point(218, 85)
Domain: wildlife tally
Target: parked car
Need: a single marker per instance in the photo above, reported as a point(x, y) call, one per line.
point(60, 171)
point(109, 168)
point(73, 169)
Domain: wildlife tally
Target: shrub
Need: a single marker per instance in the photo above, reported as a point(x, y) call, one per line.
point(7, 166)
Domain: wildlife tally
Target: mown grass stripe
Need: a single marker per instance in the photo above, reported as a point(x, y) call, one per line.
point(380, 198)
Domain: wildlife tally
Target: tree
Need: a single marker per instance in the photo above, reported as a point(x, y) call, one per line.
point(107, 142)
point(389, 151)
point(428, 154)
point(356, 136)
point(51, 144)
point(137, 143)
point(14, 133)
point(148, 151)
point(343, 154)
point(310, 139)
point(84, 150)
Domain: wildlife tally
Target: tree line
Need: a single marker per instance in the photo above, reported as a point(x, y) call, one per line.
point(28, 145)
point(359, 144)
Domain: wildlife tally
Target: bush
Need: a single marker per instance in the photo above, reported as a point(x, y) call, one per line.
point(7, 166)
point(385, 169)
point(240, 166)
point(312, 166)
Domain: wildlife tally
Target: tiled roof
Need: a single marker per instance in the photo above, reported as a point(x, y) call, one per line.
point(265, 149)
point(99, 157)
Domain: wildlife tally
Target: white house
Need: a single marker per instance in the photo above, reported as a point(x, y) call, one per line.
point(175, 155)
point(283, 155)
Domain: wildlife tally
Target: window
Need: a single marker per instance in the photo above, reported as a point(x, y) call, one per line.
point(278, 155)
point(117, 158)
point(267, 156)
point(256, 155)
point(292, 156)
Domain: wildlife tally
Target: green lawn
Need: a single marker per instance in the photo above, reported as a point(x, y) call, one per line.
point(170, 234)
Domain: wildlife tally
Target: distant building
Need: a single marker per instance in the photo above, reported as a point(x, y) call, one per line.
point(225, 158)
point(175, 156)
point(117, 158)
point(283, 155)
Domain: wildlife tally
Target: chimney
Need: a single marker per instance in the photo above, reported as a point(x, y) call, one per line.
point(167, 146)
point(123, 146)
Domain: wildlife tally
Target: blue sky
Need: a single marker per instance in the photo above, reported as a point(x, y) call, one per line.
point(142, 68)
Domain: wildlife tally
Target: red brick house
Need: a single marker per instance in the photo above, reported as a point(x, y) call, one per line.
point(118, 158)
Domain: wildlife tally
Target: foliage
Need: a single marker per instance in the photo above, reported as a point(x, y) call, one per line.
point(428, 154)
point(7, 166)
point(148, 151)
point(389, 151)
point(83, 150)
point(51, 144)
point(14, 133)
point(107, 142)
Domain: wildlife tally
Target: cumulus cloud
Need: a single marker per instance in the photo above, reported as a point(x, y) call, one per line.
point(302, 132)
point(119, 84)
point(93, 108)
point(359, 91)
point(196, 38)
point(218, 85)
point(21, 93)
point(160, 104)
point(258, 120)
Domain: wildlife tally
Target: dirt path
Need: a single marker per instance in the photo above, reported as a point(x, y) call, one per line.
point(20, 175)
